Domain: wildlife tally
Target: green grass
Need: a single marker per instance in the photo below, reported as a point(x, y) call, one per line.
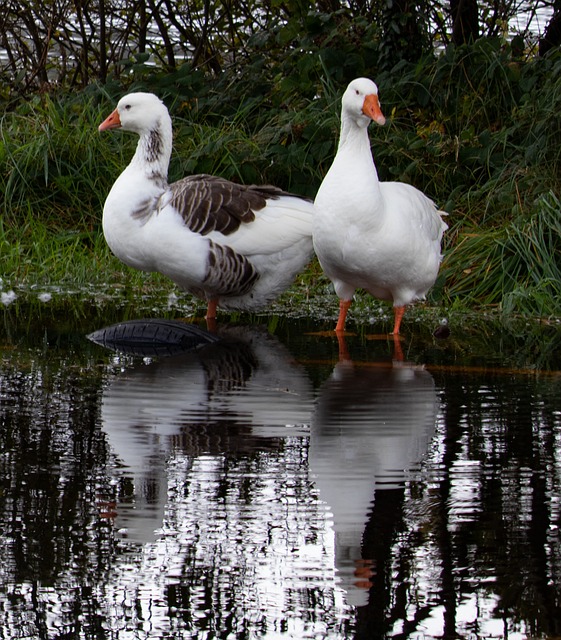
point(515, 266)
point(469, 128)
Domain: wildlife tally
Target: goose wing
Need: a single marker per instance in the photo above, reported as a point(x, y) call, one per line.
point(250, 219)
point(210, 203)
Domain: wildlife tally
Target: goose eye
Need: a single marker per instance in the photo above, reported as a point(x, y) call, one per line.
point(357, 92)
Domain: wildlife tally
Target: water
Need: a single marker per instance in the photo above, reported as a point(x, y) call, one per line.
point(267, 487)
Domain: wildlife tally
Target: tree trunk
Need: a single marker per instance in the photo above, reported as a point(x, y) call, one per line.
point(552, 34)
point(465, 21)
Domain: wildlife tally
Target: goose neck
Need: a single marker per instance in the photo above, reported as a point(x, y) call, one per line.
point(354, 134)
point(354, 148)
point(153, 151)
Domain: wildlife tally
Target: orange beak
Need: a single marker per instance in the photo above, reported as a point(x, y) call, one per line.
point(111, 122)
point(371, 108)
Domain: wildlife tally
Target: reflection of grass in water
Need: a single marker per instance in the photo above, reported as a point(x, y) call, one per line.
point(488, 340)
point(491, 340)
point(478, 341)
point(31, 328)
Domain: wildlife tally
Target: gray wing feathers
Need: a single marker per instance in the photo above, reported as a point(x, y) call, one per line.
point(209, 203)
point(228, 272)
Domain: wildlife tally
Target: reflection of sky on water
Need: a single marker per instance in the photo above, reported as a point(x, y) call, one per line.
point(222, 560)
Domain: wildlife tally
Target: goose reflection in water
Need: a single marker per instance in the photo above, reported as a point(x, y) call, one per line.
point(242, 393)
point(371, 428)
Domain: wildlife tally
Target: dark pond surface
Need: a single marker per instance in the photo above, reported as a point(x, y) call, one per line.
point(264, 488)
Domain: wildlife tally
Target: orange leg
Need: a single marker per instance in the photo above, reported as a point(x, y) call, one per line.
point(211, 309)
point(398, 314)
point(344, 306)
point(343, 351)
point(397, 352)
point(211, 314)
point(364, 572)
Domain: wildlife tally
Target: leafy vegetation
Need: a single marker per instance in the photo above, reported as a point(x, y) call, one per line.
point(74, 44)
point(476, 128)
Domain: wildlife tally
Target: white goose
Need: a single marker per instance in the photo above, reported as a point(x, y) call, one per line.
point(235, 246)
point(383, 237)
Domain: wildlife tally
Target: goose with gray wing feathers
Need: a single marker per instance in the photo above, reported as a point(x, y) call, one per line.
point(234, 246)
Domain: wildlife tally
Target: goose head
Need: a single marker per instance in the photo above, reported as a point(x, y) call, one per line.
point(146, 115)
point(361, 104)
point(139, 112)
